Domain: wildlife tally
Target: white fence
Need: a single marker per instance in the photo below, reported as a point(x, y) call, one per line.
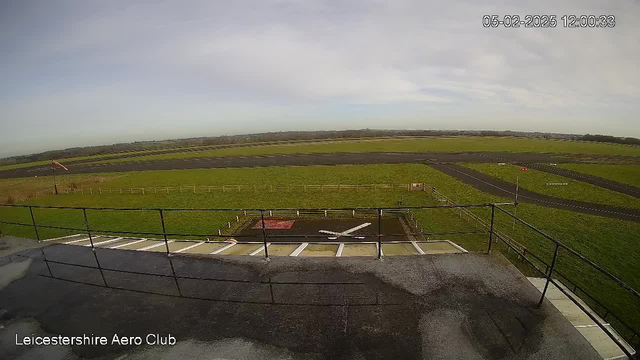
point(243, 188)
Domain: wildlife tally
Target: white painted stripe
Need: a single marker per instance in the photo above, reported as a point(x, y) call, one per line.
point(75, 241)
point(591, 325)
point(222, 249)
point(189, 247)
point(340, 248)
point(417, 248)
point(457, 246)
point(62, 237)
point(154, 245)
point(127, 244)
point(105, 242)
point(297, 251)
point(259, 250)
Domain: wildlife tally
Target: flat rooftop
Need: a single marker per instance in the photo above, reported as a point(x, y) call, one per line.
point(464, 306)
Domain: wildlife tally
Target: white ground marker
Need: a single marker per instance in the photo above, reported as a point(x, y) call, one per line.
point(75, 241)
point(297, 251)
point(340, 248)
point(222, 249)
point(417, 248)
point(155, 245)
point(457, 246)
point(261, 248)
point(105, 242)
point(189, 247)
point(60, 238)
point(127, 244)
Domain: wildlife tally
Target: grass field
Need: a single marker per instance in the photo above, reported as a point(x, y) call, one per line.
point(439, 144)
point(78, 158)
point(626, 174)
point(608, 242)
point(21, 189)
point(537, 181)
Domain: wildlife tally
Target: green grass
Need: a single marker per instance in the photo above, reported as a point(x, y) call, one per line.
point(436, 144)
point(626, 174)
point(21, 189)
point(608, 242)
point(77, 158)
point(537, 181)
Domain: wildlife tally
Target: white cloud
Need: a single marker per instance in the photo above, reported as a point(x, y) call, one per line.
point(430, 57)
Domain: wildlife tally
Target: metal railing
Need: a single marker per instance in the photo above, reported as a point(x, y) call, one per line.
point(377, 212)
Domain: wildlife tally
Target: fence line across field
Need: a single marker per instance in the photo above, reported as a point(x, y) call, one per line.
point(243, 188)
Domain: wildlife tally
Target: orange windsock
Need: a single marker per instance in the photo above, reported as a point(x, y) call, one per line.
point(56, 164)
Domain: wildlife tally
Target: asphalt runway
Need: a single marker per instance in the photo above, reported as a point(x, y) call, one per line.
point(498, 187)
point(591, 179)
point(440, 161)
point(319, 159)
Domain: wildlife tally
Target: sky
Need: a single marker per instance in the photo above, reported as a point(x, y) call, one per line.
point(78, 73)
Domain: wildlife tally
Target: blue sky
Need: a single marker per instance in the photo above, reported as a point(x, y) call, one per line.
point(80, 73)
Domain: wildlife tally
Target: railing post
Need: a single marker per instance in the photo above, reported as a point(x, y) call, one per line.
point(93, 249)
point(33, 220)
point(546, 285)
point(493, 214)
point(86, 222)
point(379, 234)
point(264, 236)
point(164, 232)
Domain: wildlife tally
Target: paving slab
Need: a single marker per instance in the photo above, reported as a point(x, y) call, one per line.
point(279, 249)
point(320, 250)
point(360, 250)
point(440, 247)
point(206, 248)
point(399, 249)
point(241, 249)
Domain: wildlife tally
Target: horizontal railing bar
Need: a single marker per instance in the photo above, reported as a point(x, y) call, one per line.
point(248, 209)
point(215, 300)
point(575, 253)
point(204, 278)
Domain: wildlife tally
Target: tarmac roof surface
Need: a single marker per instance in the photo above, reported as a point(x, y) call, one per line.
point(459, 306)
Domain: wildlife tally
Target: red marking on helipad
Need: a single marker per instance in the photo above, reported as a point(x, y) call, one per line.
point(274, 224)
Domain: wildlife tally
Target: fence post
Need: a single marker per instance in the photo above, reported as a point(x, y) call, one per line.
point(264, 235)
point(164, 232)
point(493, 213)
point(33, 220)
point(86, 222)
point(379, 234)
point(553, 264)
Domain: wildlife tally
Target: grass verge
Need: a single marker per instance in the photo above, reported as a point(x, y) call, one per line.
point(538, 181)
point(436, 144)
point(626, 174)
